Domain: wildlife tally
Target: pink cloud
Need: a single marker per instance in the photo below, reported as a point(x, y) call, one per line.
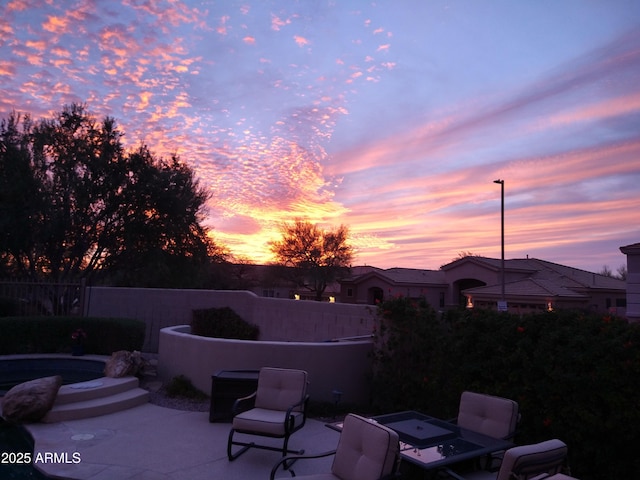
point(7, 68)
point(17, 5)
point(300, 41)
point(55, 24)
point(277, 23)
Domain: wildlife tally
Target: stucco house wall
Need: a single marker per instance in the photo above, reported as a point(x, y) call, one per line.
point(633, 281)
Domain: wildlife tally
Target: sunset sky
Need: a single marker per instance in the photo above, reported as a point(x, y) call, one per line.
point(393, 117)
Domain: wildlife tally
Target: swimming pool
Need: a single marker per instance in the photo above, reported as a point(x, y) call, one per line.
point(15, 443)
point(16, 369)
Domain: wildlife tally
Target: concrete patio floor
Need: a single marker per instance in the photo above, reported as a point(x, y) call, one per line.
point(156, 443)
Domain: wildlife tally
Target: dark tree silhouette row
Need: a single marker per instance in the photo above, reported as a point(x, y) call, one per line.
point(74, 203)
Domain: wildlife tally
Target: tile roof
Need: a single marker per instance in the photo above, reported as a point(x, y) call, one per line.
point(397, 275)
point(538, 278)
point(547, 279)
point(528, 287)
point(548, 272)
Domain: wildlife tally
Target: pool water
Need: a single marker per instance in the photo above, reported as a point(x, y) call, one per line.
point(14, 439)
point(14, 371)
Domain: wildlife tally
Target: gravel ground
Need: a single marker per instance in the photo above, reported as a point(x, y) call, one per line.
point(158, 396)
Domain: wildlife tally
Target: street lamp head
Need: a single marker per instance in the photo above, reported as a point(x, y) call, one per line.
point(499, 181)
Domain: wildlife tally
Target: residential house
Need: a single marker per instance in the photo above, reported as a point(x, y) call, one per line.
point(532, 284)
point(370, 285)
point(476, 282)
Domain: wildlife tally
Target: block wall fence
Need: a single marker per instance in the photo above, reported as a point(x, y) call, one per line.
point(293, 334)
point(279, 319)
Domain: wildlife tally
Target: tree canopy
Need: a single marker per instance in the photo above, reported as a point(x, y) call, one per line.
point(318, 256)
point(74, 203)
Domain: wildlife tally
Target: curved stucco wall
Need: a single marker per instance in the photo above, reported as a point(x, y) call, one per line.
point(344, 366)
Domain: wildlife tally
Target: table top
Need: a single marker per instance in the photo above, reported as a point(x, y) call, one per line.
point(433, 443)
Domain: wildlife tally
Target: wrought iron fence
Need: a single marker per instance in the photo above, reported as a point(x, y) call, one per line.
point(20, 297)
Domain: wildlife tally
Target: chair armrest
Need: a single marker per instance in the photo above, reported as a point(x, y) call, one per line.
point(241, 401)
point(289, 418)
point(292, 458)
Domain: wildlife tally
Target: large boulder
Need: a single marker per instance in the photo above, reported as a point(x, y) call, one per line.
point(123, 363)
point(30, 401)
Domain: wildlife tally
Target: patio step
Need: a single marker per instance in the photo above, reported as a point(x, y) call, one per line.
point(98, 388)
point(97, 397)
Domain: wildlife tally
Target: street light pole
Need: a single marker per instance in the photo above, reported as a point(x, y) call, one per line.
point(502, 305)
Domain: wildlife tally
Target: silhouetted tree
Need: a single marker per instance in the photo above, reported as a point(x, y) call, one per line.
point(319, 256)
point(73, 203)
point(606, 271)
point(621, 272)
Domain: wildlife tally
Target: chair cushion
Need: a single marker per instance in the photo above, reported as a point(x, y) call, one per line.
point(270, 422)
point(543, 457)
point(280, 388)
point(366, 450)
point(493, 416)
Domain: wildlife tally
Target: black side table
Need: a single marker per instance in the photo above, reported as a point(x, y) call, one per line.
point(226, 387)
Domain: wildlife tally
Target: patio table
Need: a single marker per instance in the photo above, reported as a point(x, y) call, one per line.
point(431, 443)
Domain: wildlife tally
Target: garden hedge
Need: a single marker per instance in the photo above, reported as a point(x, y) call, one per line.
point(46, 334)
point(222, 323)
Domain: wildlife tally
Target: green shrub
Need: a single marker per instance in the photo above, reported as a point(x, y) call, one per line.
point(573, 374)
point(54, 334)
point(181, 386)
point(222, 323)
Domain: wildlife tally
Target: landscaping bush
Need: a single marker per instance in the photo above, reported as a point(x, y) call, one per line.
point(181, 386)
point(102, 336)
point(222, 323)
point(573, 374)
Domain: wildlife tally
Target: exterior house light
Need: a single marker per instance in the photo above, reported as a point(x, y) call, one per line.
point(469, 302)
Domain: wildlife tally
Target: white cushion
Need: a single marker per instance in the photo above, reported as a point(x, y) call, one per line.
point(543, 457)
point(366, 450)
point(266, 421)
point(280, 388)
point(493, 416)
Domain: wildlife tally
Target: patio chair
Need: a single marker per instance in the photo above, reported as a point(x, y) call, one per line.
point(366, 451)
point(526, 462)
point(494, 416)
point(279, 410)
